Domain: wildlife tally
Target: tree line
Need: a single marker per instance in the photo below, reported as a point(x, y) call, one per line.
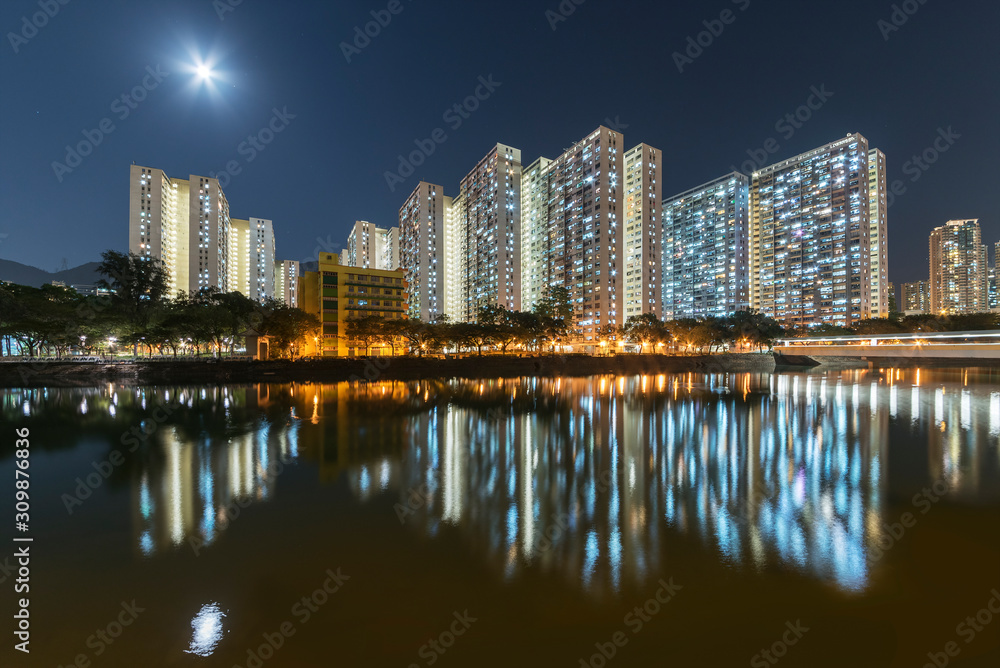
point(551, 325)
point(137, 314)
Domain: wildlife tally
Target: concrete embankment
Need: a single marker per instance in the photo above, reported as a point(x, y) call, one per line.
point(873, 362)
point(49, 373)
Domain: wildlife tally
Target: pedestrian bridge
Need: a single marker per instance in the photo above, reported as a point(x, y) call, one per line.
point(924, 345)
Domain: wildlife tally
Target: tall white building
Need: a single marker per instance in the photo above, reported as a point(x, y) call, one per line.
point(252, 258)
point(261, 252)
point(534, 232)
point(364, 245)
point(286, 282)
point(423, 251)
point(879, 236)
point(372, 247)
point(390, 249)
point(706, 249)
point(810, 251)
point(643, 198)
point(186, 225)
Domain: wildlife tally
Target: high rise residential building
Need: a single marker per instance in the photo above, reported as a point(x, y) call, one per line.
point(186, 225)
point(390, 249)
point(643, 166)
point(706, 249)
point(251, 258)
point(534, 232)
point(366, 246)
point(994, 288)
point(993, 297)
point(584, 251)
point(486, 228)
point(239, 255)
point(423, 250)
point(810, 251)
point(879, 235)
point(959, 270)
point(286, 282)
point(261, 259)
point(916, 298)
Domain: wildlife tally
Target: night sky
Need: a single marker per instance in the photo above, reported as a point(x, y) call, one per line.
point(605, 63)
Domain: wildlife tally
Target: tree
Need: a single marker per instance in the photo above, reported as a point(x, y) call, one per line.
point(288, 326)
point(138, 287)
point(392, 334)
point(365, 330)
point(530, 328)
point(644, 329)
point(923, 322)
point(878, 326)
point(556, 311)
point(501, 323)
point(471, 335)
point(415, 333)
point(683, 330)
point(967, 322)
point(753, 328)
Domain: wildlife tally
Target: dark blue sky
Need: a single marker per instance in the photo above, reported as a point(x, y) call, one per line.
point(607, 60)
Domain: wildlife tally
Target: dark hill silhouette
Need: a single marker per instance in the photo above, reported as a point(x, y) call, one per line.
point(22, 274)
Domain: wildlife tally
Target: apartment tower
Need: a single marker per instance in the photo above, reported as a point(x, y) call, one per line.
point(643, 167)
point(423, 251)
point(958, 268)
point(286, 282)
point(186, 225)
point(879, 235)
point(486, 230)
point(810, 251)
point(584, 251)
point(916, 298)
point(706, 249)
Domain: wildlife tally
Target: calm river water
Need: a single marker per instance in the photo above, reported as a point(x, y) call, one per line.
point(847, 518)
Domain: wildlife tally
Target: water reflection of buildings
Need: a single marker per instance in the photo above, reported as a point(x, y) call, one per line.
point(786, 469)
point(199, 469)
point(582, 478)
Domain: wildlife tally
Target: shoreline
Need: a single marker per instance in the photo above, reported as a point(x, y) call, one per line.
point(76, 374)
point(58, 373)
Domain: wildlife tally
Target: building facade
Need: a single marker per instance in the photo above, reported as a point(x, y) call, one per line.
point(390, 249)
point(879, 234)
point(706, 249)
point(810, 251)
point(251, 258)
point(993, 287)
point(423, 250)
point(916, 298)
point(584, 251)
point(958, 269)
point(643, 166)
point(534, 232)
point(186, 225)
point(485, 227)
point(372, 247)
point(337, 293)
point(286, 282)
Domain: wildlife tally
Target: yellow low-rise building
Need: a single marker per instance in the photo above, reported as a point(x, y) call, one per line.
point(337, 293)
